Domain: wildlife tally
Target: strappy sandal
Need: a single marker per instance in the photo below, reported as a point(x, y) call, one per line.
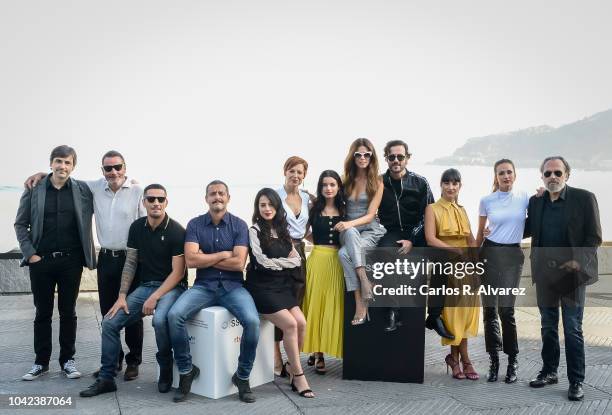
point(302, 393)
point(454, 365)
point(311, 360)
point(469, 371)
point(320, 365)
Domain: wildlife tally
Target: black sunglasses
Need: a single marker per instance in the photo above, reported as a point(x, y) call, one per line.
point(400, 157)
point(365, 155)
point(117, 167)
point(557, 173)
point(152, 199)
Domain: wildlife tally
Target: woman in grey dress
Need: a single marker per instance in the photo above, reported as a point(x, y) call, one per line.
point(364, 190)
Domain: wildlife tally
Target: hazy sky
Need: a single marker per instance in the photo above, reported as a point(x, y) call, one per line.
point(191, 90)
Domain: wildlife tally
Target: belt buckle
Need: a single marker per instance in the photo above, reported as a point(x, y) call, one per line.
point(113, 253)
point(56, 254)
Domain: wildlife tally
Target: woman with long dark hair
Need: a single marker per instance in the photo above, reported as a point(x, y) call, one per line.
point(363, 188)
point(447, 226)
point(324, 300)
point(273, 260)
point(505, 211)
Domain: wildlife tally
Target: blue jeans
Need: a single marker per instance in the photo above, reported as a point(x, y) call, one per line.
point(572, 308)
point(237, 301)
point(111, 342)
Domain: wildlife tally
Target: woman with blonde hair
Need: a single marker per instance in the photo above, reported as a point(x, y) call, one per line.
point(363, 189)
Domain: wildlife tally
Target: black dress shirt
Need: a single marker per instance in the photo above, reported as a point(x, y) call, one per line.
point(60, 229)
point(554, 228)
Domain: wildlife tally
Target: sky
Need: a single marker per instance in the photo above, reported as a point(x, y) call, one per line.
point(189, 91)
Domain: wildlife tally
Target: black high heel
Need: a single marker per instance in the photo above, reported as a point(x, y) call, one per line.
point(302, 393)
point(311, 360)
point(320, 365)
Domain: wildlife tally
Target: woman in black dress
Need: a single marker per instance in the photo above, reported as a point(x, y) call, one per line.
point(273, 262)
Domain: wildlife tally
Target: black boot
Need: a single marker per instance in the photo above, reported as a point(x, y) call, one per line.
point(98, 387)
point(164, 383)
point(394, 320)
point(493, 367)
point(244, 389)
point(185, 384)
point(512, 367)
point(436, 323)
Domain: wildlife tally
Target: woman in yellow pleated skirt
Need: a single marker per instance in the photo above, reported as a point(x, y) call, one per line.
point(323, 304)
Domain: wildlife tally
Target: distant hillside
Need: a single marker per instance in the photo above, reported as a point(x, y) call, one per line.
point(587, 144)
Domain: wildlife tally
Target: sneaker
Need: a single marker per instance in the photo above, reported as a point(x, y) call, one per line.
point(70, 370)
point(36, 371)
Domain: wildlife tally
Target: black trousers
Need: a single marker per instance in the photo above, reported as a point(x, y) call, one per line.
point(45, 275)
point(299, 283)
point(503, 268)
point(109, 282)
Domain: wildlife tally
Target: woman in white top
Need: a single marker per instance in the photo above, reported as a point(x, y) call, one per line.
point(296, 203)
point(504, 210)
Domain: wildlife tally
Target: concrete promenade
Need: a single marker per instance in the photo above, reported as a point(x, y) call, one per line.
point(438, 394)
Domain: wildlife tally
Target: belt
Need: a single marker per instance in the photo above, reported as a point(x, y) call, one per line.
point(113, 252)
point(57, 254)
point(488, 242)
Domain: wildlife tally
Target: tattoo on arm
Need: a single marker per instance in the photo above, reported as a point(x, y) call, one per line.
point(129, 270)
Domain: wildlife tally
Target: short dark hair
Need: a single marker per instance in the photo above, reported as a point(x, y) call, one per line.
point(112, 153)
point(63, 151)
point(565, 163)
point(214, 182)
point(394, 143)
point(154, 186)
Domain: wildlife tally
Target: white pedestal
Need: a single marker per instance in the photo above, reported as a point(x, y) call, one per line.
point(214, 341)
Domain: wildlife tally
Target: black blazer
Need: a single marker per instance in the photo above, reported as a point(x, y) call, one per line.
point(581, 217)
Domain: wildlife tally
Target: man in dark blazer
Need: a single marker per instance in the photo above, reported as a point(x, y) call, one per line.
point(53, 227)
point(565, 233)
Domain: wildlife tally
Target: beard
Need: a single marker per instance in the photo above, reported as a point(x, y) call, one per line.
point(555, 187)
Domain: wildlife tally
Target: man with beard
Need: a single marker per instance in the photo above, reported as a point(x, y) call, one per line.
point(565, 233)
point(402, 212)
point(216, 243)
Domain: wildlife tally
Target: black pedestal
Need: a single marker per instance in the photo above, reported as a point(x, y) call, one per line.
point(372, 354)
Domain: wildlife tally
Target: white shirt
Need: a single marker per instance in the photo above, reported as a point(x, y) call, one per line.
point(506, 213)
point(115, 212)
point(297, 226)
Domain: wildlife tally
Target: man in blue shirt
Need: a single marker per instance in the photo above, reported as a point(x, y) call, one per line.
point(216, 243)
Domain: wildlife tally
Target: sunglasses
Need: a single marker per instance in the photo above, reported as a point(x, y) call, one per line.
point(399, 157)
point(365, 155)
point(557, 173)
point(152, 199)
point(117, 167)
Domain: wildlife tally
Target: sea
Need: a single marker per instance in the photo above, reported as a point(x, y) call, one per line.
point(186, 200)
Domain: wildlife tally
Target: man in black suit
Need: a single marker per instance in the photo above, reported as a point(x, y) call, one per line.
point(565, 230)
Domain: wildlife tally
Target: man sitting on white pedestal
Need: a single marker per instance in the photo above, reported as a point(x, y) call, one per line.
point(216, 243)
point(155, 256)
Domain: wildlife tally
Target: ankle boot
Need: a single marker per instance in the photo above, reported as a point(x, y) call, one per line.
point(512, 368)
point(493, 367)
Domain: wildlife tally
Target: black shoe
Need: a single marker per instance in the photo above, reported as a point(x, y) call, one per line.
point(394, 321)
point(185, 384)
point(544, 379)
point(575, 392)
point(118, 369)
point(131, 372)
point(164, 383)
point(493, 367)
point(511, 371)
point(244, 390)
point(100, 386)
point(436, 324)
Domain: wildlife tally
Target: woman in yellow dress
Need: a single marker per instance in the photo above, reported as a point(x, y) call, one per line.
point(324, 299)
point(447, 226)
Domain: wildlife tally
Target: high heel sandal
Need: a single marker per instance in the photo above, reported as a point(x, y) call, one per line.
point(454, 365)
point(320, 365)
point(360, 321)
point(302, 393)
point(282, 372)
point(366, 289)
point(471, 374)
point(311, 360)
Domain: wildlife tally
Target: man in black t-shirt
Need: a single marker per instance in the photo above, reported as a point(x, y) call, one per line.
point(155, 255)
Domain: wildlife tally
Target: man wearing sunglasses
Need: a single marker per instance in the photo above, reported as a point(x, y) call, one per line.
point(155, 259)
point(402, 213)
point(117, 203)
point(565, 233)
